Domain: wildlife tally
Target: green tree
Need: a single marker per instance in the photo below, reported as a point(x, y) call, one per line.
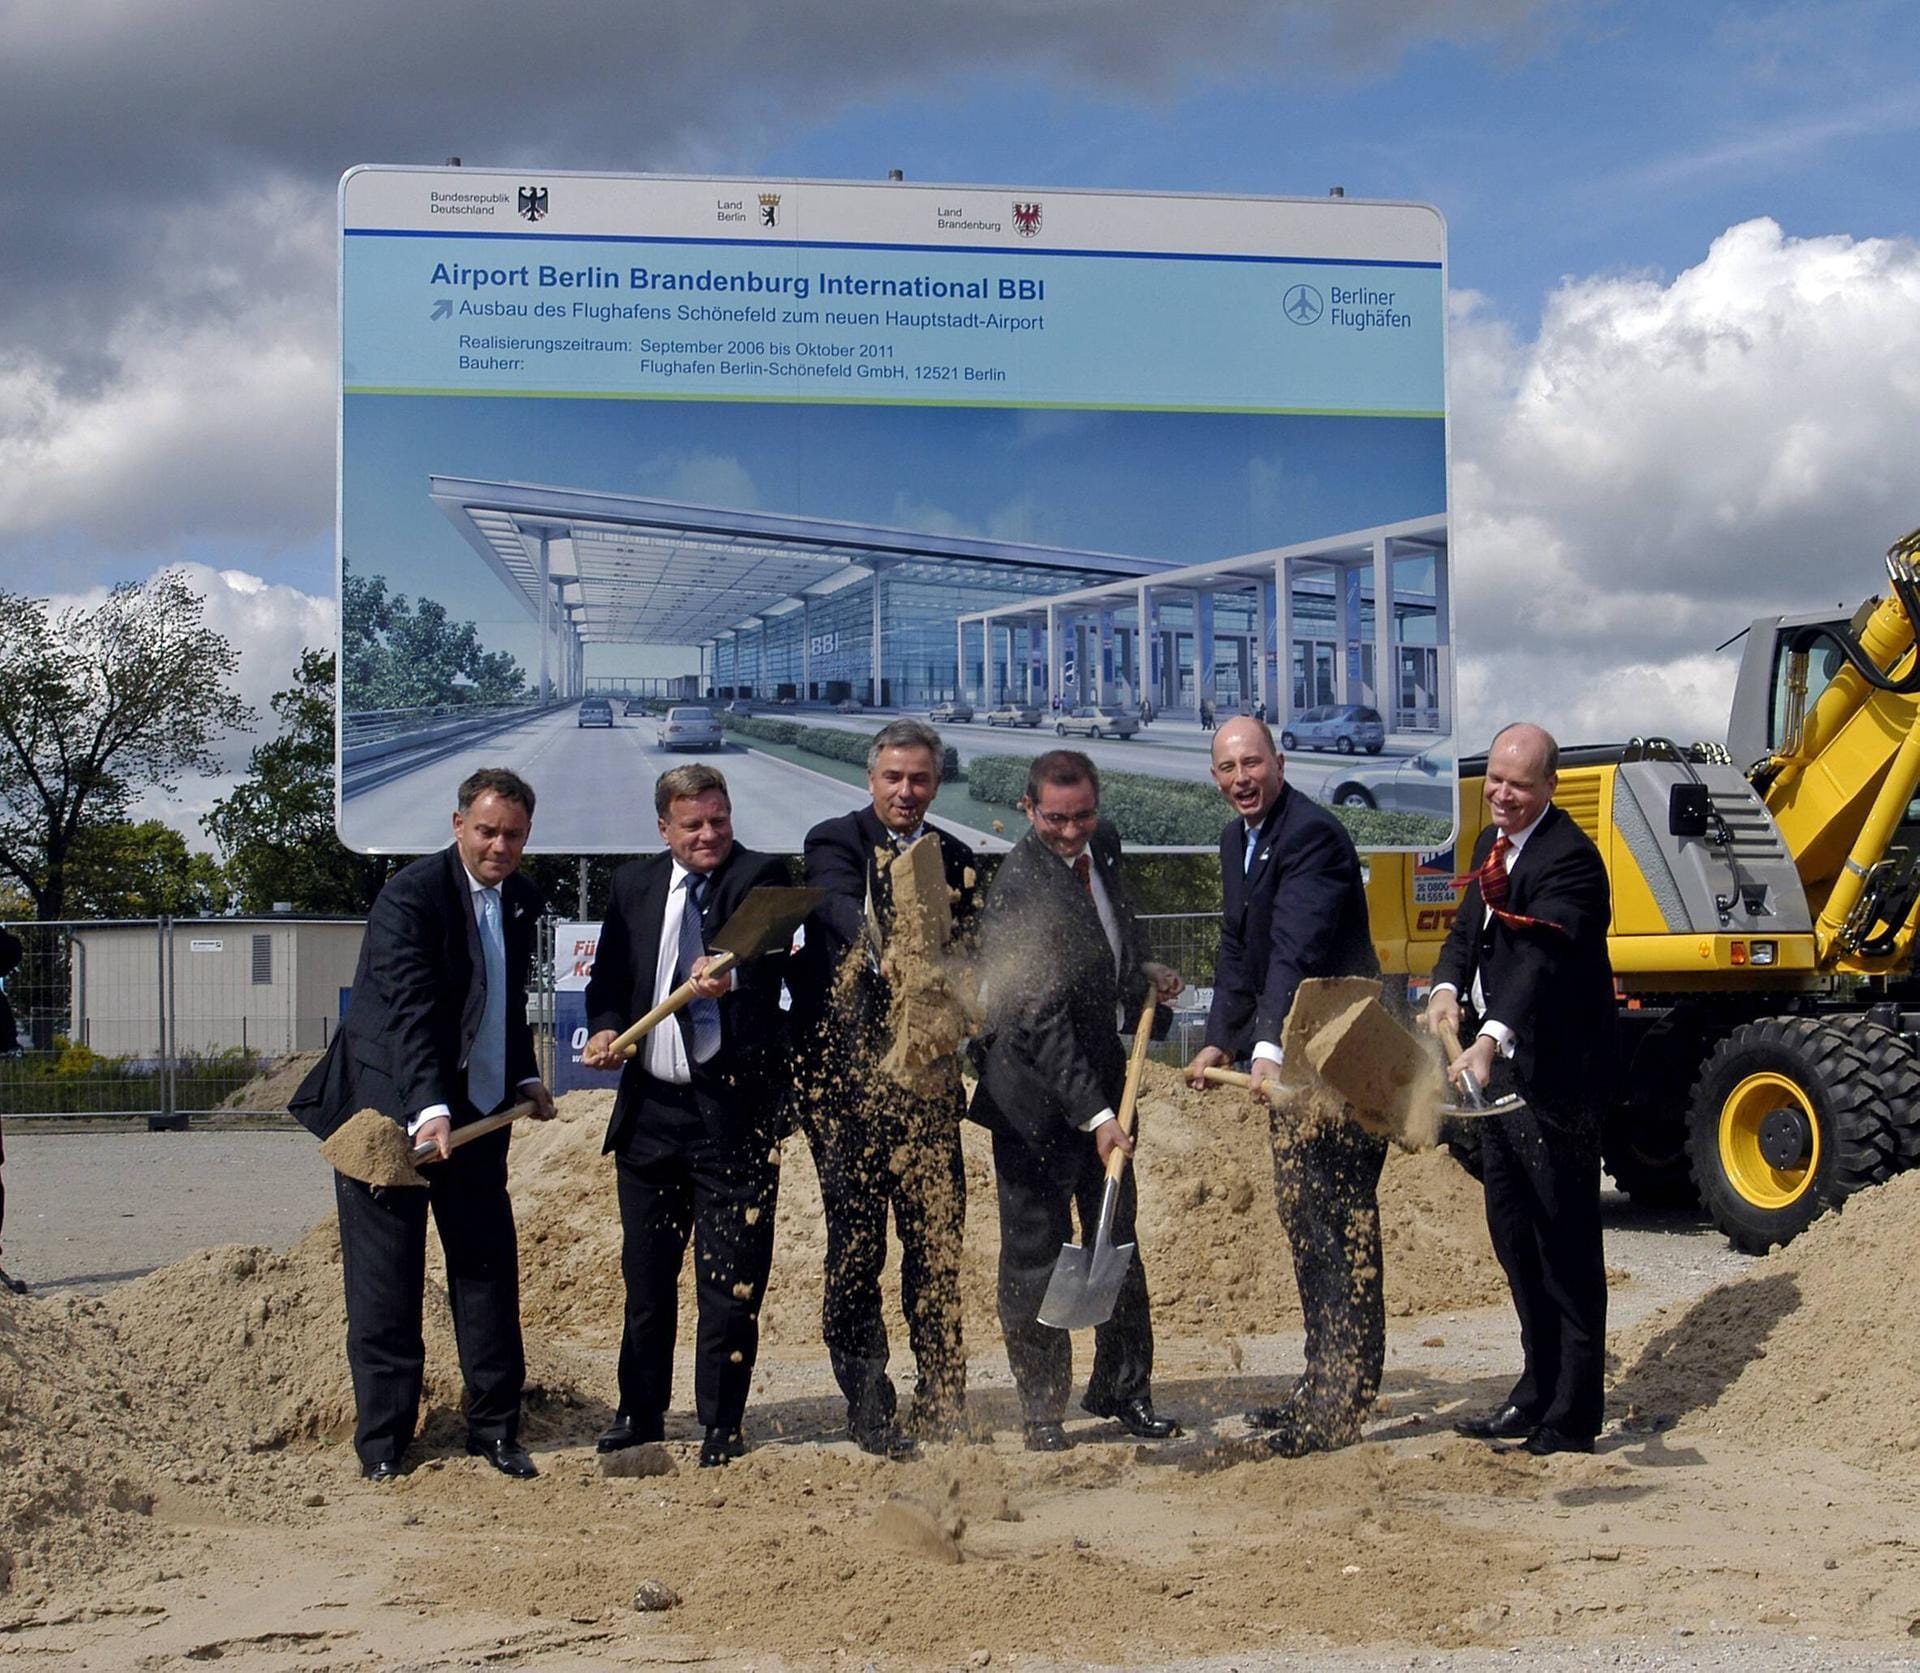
point(96, 705)
point(127, 870)
point(276, 831)
point(402, 655)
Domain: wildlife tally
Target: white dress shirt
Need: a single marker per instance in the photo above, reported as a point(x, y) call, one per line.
point(1110, 922)
point(665, 1047)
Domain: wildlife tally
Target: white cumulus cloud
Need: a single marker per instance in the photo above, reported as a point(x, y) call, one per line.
point(1667, 460)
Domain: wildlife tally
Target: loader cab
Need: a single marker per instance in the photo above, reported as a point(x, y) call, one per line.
point(1758, 720)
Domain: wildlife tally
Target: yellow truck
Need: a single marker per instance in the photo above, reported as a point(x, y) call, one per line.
point(1764, 910)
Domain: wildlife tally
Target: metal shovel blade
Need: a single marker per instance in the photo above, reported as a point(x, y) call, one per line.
point(1086, 1283)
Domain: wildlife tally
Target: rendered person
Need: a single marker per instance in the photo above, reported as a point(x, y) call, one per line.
point(879, 1145)
point(696, 1123)
point(1066, 973)
point(1528, 951)
point(436, 1036)
point(1294, 905)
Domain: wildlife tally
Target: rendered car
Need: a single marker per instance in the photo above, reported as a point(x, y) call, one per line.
point(595, 711)
point(690, 727)
point(636, 706)
point(1344, 727)
point(1012, 714)
point(848, 706)
point(1422, 783)
point(953, 711)
point(1098, 720)
point(739, 706)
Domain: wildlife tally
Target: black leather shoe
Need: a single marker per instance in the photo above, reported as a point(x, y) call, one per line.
point(721, 1447)
point(1543, 1442)
point(1045, 1437)
point(1137, 1417)
point(885, 1440)
point(382, 1470)
point(507, 1456)
point(626, 1431)
point(1509, 1423)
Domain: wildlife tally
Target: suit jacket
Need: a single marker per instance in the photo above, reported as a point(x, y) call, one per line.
point(1301, 911)
point(738, 1089)
point(1553, 988)
point(1055, 1057)
point(845, 856)
point(417, 999)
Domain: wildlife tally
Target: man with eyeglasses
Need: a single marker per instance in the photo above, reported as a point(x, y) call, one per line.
point(1066, 972)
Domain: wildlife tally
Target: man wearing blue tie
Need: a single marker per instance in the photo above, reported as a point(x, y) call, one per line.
point(1294, 905)
point(436, 1036)
point(697, 1120)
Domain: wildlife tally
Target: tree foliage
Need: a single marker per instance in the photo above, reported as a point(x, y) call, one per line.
point(127, 870)
point(402, 655)
point(96, 705)
point(276, 830)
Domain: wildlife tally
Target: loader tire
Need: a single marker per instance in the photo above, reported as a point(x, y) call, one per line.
point(1787, 1122)
point(1647, 1157)
point(1894, 1059)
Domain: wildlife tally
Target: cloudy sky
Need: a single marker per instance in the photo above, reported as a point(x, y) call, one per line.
point(1686, 351)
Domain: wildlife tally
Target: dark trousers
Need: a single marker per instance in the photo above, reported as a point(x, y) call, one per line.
point(885, 1151)
point(1326, 1181)
point(1542, 1177)
point(383, 1255)
point(675, 1181)
point(1037, 1195)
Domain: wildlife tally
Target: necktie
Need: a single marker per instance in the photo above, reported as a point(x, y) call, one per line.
point(1246, 863)
point(487, 1061)
point(1083, 869)
point(1493, 875)
point(1496, 886)
point(703, 1015)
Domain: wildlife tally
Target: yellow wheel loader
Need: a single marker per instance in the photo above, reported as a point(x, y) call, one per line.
point(1764, 908)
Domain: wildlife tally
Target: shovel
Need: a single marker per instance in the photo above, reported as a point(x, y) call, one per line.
point(373, 1148)
point(767, 916)
point(1476, 1102)
point(1085, 1284)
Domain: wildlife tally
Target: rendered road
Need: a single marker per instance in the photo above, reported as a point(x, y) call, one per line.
point(595, 790)
point(595, 784)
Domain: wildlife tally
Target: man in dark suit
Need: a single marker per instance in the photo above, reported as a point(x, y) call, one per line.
point(695, 1132)
point(1295, 906)
point(1528, 950)
point(436, 1036)
point(1065, 974)
point(878, 1143)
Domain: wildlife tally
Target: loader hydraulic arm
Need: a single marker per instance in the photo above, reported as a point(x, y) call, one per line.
point(1844, 774)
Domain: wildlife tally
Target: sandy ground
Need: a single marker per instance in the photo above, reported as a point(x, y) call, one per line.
point(176, 1488)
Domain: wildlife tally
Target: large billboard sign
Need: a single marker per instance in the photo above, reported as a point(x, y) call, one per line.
point(638, 470)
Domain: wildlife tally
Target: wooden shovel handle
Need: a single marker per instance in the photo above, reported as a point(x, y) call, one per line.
point(624, 1045)
point(1130, 1094)
point(474, 1130)
point(1233, 1077)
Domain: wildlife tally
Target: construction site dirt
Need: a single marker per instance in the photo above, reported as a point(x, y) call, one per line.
point(176, 1485)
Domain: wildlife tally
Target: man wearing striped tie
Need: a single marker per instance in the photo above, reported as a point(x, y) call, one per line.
point(1528, 952)
point(436, 1036)
point(697, 1121)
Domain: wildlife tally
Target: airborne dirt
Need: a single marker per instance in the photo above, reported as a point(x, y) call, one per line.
point(177, 1488)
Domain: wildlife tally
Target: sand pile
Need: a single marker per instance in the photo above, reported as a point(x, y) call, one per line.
point(273, 1086)
point(253, 1343)
point(1215, 1257)
point(1818, 1347)
point(78, 1456)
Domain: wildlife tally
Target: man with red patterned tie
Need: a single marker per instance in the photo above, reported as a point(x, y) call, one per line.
point(1528, 951)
